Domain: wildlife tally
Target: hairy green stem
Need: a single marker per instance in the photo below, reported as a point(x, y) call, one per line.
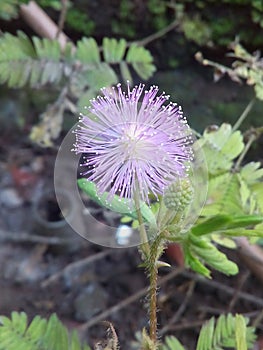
point(156, 248)
point(153, 301)
point(150, 255)
point(143, 235)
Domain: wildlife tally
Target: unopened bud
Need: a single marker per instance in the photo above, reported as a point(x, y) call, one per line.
point(178, 195)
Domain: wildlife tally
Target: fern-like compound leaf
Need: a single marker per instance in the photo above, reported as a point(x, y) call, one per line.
point(36, 329)
point(113, 50)
point(240, 333)
point(251, 172)
point(217, 335)
point(193, 262)
point(172, 343)
point(225, 222)
point(37, 62)
point(208, 253)
point(41, 334)
point(88, 51)
point(125, 72)
point(141, 61)
point(104, 75)
point(221, 147)
point(46, 48)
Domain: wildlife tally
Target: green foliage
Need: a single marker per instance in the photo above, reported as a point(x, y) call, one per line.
point(234, 205)
point(199, 249)
point(224, 223)
point(82, 71)
point(225, 332)
point(9, 8)
point(41, 61)
point(235, 192)
point(80, 21)
point(141, 61)
point(196, 30)
point(23, 62)
point(221, 21)
point(54, 4)
point(171, 343)
point(40, 334)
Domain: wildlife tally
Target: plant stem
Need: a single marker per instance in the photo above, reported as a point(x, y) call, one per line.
point(143, 235)
point(244, 114)
point(247, 146)
point(150, 255)
point(158, 34)
point(153, 302)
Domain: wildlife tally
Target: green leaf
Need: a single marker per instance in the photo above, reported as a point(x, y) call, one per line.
point(225, 222)
point(39, 335)
point(226, 198)
point(257, 190)
point(102, 75)
point(221, 147)
point(217, 335)
point(241, 333)
point(37, 63)
point(215, 223)
point(172, 343)
point(193, 262)
point(47, 48)
point(113, 50)
point(251, 172)
point(201, 249)
point(88, 51)
point(125, 72)
point(205, 339)
point(116, 204)
point(241, 232)
point(223, 240)
point(141, 61)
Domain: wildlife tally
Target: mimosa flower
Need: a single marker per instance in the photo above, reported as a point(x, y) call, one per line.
point(134, 141)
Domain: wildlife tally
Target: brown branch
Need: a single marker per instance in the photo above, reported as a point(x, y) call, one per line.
point(7, 236)
point(235, 297)
point(76, 265)
point(62, 17)
point(159, 34)
point(41, 23)
point(252, 256)
point(105, 314)
point(180, 310)
point(253, 299)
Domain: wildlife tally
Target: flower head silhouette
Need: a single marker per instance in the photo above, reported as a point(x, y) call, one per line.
point(133, 141)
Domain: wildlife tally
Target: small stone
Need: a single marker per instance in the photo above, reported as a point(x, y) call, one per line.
point(10, 198)
point(90, 301)
point(123, 234)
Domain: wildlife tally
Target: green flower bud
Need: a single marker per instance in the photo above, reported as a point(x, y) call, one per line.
point(178, 195)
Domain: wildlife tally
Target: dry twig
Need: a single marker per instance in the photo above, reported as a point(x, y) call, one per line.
point(41, 23)
point(102, 316)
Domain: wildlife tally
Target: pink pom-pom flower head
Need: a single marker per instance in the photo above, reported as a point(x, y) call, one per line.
point(134, 141)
